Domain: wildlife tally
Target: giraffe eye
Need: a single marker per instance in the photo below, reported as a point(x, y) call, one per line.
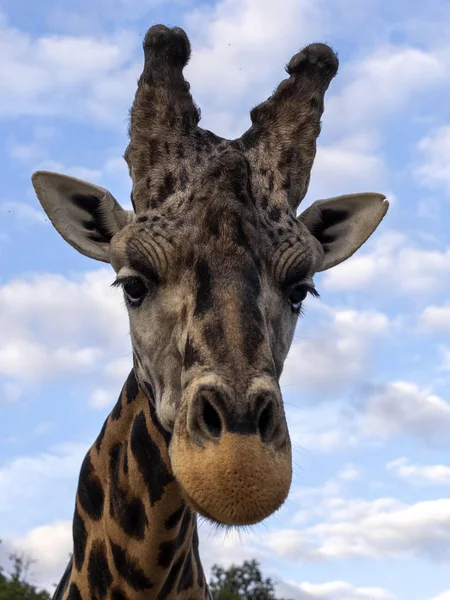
point(135, 290)
point(298, 293)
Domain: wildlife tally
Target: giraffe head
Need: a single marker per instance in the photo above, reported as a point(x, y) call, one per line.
point(214, 265)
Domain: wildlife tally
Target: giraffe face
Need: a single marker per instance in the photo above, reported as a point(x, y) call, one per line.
point(213, 282)
point(213, 287)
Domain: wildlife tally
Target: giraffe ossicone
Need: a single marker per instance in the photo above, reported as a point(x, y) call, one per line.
point(214, 264)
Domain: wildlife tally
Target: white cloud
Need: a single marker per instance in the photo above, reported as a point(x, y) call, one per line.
point(62, 462)
point(64, 56)
point(49, 546)
point(53, 325)
point(404, 408)
point(234, 547)
point(312, 496)
point(436, 318)
point(348, 473)
point(101, 398)
point(227, 547)
point(381, 528)
point(114, 373)
point(66, 74)
point(336, 353)
point(312, 499)
point(421, 474)
point(443, 596)
point(25, 482)
point(383, 83)
point(118, 369)
point(323, 428)
point(373, 415)
point(346, 167)
point(29, 360)
point(435, 150)
point(240, 44)
point(421, 271)
point(26, 151)
point(332, 590)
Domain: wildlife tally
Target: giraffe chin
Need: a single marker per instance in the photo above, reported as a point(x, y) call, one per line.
point(234, 481)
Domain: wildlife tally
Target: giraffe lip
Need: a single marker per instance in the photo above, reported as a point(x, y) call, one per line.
point(195, 507)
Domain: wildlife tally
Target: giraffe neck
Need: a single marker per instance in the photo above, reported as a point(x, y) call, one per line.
point(133, 535)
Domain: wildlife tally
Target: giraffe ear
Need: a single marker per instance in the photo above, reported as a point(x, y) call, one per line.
point(85, 215)
point(344, 223)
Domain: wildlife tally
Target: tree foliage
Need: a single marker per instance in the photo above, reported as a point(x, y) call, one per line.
point(241, 583)
point(14, 585)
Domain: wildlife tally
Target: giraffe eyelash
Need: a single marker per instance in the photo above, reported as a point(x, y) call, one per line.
point(312, 290)
point(121, 281)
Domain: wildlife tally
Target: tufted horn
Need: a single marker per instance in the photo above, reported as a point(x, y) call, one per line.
point(281, 142)
point(166, 144)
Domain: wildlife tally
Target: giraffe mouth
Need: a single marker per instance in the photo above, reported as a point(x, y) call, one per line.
point(235, 482)
point(195, 507)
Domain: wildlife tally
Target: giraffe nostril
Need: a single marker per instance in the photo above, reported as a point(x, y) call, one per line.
point(211, 419)
point(206, 421)
point(266, 421)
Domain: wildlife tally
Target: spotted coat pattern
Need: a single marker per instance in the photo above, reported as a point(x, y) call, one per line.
point(127, 500)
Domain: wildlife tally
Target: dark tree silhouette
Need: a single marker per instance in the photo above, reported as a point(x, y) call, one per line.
point(241, 583)
point(15, 585)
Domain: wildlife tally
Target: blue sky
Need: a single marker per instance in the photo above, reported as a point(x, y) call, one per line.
point(366, 382)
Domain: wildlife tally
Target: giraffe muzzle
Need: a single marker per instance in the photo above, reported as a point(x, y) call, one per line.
point(237, 480)
point(234, 465)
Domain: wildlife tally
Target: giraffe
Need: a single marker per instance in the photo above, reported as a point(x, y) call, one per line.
point(214, 264)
